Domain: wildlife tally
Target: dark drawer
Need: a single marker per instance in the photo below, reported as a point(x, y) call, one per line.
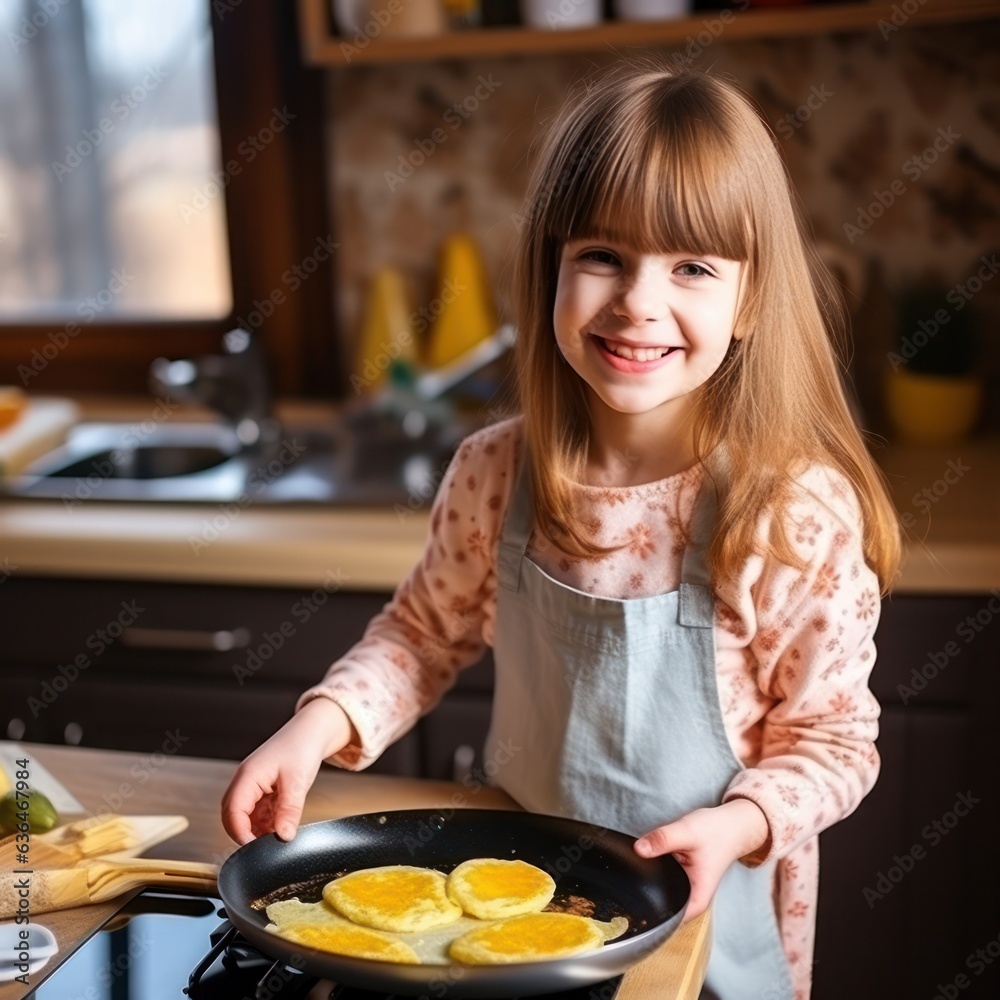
point(286, 635)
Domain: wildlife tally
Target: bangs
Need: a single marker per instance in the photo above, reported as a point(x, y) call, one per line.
point(656, 169)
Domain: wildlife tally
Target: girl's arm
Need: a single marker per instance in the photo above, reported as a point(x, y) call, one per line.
point(814, 651)
point(433, 627)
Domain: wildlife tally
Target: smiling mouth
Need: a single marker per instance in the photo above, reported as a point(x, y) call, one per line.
point(634, 353)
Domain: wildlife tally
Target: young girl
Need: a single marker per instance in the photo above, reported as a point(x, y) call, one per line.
point(676, 550)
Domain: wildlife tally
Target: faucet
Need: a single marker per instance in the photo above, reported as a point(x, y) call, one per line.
point(234, 384)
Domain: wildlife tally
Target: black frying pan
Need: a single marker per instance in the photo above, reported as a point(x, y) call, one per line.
point(586, 861)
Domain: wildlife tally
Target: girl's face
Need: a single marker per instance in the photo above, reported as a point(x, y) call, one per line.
point(644, 330)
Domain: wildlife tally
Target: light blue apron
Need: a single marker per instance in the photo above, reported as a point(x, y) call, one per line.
point(614, 707)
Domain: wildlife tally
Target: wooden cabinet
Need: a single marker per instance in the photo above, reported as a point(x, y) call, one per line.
point(909, 882)
point(121, 665)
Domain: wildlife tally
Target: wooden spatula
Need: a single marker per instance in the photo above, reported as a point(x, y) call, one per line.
point(62, 888)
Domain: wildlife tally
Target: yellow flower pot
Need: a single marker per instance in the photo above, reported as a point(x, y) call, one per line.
point(933, 409)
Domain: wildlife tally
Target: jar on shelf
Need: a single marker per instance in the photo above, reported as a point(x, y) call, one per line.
point(560, 14)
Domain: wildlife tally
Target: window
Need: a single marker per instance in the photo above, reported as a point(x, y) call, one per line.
point(122, 235)
point(108, 136)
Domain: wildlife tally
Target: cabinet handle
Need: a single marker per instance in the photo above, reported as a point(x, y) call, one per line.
point(16, 729)
point(178, 638)
point(461, 762)
point(73, 734)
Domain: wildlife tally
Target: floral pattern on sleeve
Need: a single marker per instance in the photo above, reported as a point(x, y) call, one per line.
point(812, 654)
point(440, 617)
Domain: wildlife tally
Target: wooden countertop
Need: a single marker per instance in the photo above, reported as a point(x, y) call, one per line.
point(947, 498)
point(194, 787)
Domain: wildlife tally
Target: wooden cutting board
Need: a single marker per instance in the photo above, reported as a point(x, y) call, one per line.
point(58, 848)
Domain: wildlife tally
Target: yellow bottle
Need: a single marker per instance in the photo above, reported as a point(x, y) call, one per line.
point(463, 302)
point(386, 332)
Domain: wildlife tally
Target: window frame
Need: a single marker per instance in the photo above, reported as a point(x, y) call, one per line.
point(272, 207)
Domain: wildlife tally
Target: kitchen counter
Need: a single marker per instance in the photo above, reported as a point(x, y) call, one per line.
point(194, 787)
point(947, 498)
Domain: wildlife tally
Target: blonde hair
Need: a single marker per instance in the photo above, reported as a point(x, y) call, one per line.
point(671, 161)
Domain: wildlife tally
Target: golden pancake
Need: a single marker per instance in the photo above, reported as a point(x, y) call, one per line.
point(324, 925)
point(393, 898)
point(318, 926)
point(531, 937)
point(492, 889)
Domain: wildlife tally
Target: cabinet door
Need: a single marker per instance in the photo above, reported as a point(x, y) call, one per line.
point(145, 715)
point(270, 634)
point(896, 877)
point(860, 944)
point(18, 719)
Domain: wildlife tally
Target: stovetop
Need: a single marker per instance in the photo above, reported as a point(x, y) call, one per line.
point(163, 946)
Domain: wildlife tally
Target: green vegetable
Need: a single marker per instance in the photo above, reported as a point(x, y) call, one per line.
point(41, 814)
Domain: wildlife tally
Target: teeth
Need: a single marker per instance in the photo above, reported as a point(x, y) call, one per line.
point(636, 354)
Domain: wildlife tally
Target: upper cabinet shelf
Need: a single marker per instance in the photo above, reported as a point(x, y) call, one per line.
point(323, 47)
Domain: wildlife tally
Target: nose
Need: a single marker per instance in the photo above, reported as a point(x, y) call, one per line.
point(643, 295)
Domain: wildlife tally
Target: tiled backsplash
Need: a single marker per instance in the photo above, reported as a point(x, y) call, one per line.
point(419, 150)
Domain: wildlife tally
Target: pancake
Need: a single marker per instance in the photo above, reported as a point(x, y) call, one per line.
point(393, 898)
point(316, 925)
point(531, 937)
point(320, 926)
point(492, 889)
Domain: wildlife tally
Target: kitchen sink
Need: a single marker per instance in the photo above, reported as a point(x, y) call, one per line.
point(207, 463)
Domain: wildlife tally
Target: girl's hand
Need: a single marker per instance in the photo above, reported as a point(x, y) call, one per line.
point(706, 842)
point(269, 788)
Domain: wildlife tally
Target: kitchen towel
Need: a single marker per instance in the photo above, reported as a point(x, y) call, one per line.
point(42, 426)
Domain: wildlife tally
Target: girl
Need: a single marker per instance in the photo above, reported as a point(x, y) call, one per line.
point(676, 550)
